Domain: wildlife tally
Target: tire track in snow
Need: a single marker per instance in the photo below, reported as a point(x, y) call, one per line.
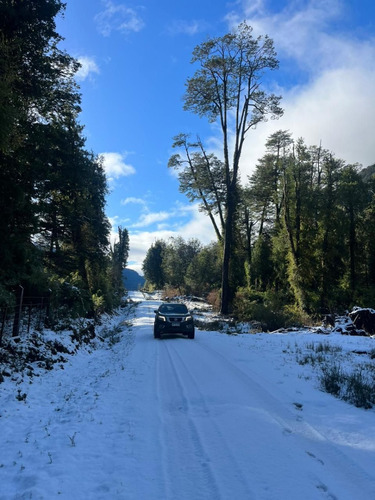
point(191, 474)
point(161, 435)
point(217, 435)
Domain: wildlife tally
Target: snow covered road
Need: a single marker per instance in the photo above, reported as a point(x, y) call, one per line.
point(218, 417)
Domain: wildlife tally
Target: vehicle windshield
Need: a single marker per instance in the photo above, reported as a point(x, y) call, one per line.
point(173, 309)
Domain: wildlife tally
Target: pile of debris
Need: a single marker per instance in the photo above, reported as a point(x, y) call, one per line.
point(360, 322)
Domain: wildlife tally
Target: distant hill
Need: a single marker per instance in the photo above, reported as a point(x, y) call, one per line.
point(132, 280)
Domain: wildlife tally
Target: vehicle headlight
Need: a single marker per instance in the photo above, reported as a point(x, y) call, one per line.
point(162, 318)
point(189, 318)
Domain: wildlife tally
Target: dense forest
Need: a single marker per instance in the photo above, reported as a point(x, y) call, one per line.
point(296, 239)
point(304, 238)
point(54, 239)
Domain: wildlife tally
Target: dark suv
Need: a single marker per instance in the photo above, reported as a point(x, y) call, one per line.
point(173, 318)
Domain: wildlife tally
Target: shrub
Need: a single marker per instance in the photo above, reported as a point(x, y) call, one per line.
point(70, 296)
point(294, 316)
point(269, 308)
point(214, 298)
point(359, 390)
point(355, 388)
point(324, 347)
point(311, 359)
point(113, 335)
point(332, 379)
point(170, 292)
point(98, 304)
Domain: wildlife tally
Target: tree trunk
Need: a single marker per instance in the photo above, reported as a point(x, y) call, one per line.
point(352, 245)
point(226, 294)
point(18, 312)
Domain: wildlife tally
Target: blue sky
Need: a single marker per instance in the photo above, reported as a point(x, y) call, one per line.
point(135, 58)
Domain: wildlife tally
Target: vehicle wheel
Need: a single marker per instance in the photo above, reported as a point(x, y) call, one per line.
point(191, 335)
point(156, 333)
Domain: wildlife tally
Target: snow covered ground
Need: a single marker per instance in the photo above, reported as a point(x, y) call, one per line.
point(218, 417)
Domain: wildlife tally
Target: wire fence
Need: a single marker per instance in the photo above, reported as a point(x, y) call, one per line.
point(28, 313)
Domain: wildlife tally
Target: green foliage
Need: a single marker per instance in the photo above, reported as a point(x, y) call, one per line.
point(119, 258)
point(69, 298)
point(201, 177)
point(270, 309)
point(53, 229)
point(6, 297)
point(317, 215)
point(98, 304)
point(177, 256)
point(153, 266)
point(261, 268)
point(204, 271)
point(180, 266)
point(302, 236)
point(360, 390)
point(332, 378)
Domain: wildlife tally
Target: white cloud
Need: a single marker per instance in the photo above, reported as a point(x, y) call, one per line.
point(132, 199)
point(118, 17)
point(337, 109)
point(186, 27)
point(246, 9)
point(150, 218)
point(198, 226)
point(303, 33)
point(335, 102)
point(115, 166)
point(174, 216)
point(88, 67)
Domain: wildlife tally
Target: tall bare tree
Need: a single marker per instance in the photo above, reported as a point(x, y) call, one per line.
point(229, 87)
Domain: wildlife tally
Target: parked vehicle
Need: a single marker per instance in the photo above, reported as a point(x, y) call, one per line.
point(173, 319)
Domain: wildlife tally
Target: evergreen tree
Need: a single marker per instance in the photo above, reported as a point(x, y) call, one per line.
point(153, 265)
point(177, 257)
point(330, 234)
point(119, 254)
point(204, 272)
point(352, 199)
point(36, 78)
point(367, 241)
point(52, 190)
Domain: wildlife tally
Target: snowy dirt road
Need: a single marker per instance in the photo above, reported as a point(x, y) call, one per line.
point(218, 417)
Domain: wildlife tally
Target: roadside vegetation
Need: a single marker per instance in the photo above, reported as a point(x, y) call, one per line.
point(54, 244)
point(353, 382)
